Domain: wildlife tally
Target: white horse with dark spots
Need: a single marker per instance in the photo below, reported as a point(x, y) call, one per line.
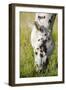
point(41, 39)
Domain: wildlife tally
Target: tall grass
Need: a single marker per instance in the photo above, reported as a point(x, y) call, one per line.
point(26, 52)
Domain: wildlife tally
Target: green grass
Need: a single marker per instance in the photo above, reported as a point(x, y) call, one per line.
point(27, 68)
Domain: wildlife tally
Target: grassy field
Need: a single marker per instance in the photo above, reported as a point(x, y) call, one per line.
point(26, 52)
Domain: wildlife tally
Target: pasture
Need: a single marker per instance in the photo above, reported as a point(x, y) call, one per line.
point(27, 68)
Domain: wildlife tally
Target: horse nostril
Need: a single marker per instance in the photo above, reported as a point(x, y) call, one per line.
point(41, 55)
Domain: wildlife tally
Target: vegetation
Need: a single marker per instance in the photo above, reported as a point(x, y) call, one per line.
point(27, 68)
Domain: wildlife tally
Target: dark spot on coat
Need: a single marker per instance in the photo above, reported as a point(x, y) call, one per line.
point(44, 16)
point(38, 39)
point(37, 48)
point(36, 53)
point(41, 50)
point(41, 55)
point(44, 42)
point(41, 38)
point(45, 34)
point(48, 38)
point(51, 17)
point(41, 46)
point(39, 17)
point(49, 21)
point(42, 28)
point(44, 46)
point(45, 49)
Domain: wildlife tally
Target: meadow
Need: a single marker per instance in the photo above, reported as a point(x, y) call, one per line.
point(27, 68)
